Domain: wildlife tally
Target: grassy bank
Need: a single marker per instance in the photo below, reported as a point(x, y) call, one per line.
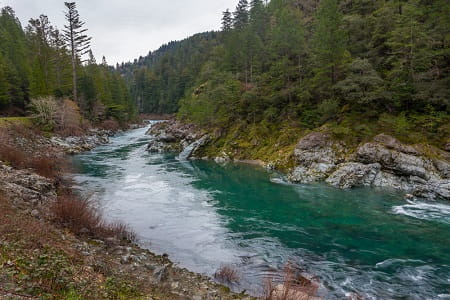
point(21, 121)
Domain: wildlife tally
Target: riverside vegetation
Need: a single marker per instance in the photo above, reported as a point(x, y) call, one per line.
point(347, 71)
point(352, 92)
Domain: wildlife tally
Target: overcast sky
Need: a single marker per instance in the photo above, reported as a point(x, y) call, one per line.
point(122, 30)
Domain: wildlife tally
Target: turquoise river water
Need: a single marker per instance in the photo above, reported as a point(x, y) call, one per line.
point(204, 215)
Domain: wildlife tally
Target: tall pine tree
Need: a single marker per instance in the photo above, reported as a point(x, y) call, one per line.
point(76, 39)
point(227, 21)
point(241, 15)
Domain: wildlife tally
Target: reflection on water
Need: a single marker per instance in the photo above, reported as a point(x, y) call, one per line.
point(204, 215)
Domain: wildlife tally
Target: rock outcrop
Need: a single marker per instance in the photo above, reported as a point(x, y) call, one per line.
point(316, 156)
point(174, 136)
point(383, 162)
point(27, 191)
point(78, 144)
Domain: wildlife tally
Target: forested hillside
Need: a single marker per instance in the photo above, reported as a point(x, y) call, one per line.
point(158, 80)
point(35, 62)
point(359, 66)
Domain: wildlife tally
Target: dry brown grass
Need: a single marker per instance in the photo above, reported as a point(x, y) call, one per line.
point(227, 274)
point(13, 156)
point(14, 151)
point(18, 227)
point(81, 216)
point(294, 286)
point(52, 168)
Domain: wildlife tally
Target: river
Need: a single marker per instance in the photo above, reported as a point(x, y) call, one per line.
point(204, 215)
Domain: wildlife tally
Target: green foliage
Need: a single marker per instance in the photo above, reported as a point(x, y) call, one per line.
point(4, 85)
point(360, 67)
point(158, 81)
point(329, 43)
point(35, 63)
point(362, 86)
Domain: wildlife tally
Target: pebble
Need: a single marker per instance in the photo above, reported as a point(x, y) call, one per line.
point(35, 213)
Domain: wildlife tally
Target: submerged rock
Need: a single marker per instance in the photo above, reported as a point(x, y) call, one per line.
point(222, 159)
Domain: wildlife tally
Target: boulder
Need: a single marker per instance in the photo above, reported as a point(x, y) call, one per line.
point(353, 174)
point(398, 162)
point(383, 162)
point(314, 173)
point(439, 189)
point(172, 135)
point(316, 156)
point(442, 167)
point(155, 146)
point(392, 143)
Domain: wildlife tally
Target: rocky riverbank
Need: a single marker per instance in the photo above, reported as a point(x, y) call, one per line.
point(42, 258)
point(28, 197)
point(418, 170)
point(422, 171)
point(78, 144)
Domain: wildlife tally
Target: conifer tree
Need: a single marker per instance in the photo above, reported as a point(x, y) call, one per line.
point(91, 58)
point(39, 32)
point(4, 86)
point(76, 39)
point(241, 15)
point(227, 21)
point(329, 40)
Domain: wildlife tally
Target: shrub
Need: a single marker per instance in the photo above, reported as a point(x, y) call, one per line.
point(328, 109)
point(45, 111)
point(69, 119)
point(121, 231)
point(294, 286)
point(227, 274)
point(81, 216)
point(110, 124)
point(76, 214)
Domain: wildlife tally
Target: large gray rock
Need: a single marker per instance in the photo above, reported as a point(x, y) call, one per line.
point(26, 190)
point(319, 148)
point(353, 174)
point(398, 162)
point(156, 146)
point(433, 189)
point(314, 173)
point(174, 136)
point(383, 162)
point(442, 167)
point(392, 143)
point(316, 156)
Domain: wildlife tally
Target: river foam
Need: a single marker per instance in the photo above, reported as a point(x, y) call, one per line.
point(438, 212)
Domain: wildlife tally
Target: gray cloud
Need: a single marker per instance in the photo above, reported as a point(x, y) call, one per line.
point(123, 30)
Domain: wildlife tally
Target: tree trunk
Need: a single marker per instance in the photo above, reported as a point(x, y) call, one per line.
point(74, 64)
point(74, 79)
